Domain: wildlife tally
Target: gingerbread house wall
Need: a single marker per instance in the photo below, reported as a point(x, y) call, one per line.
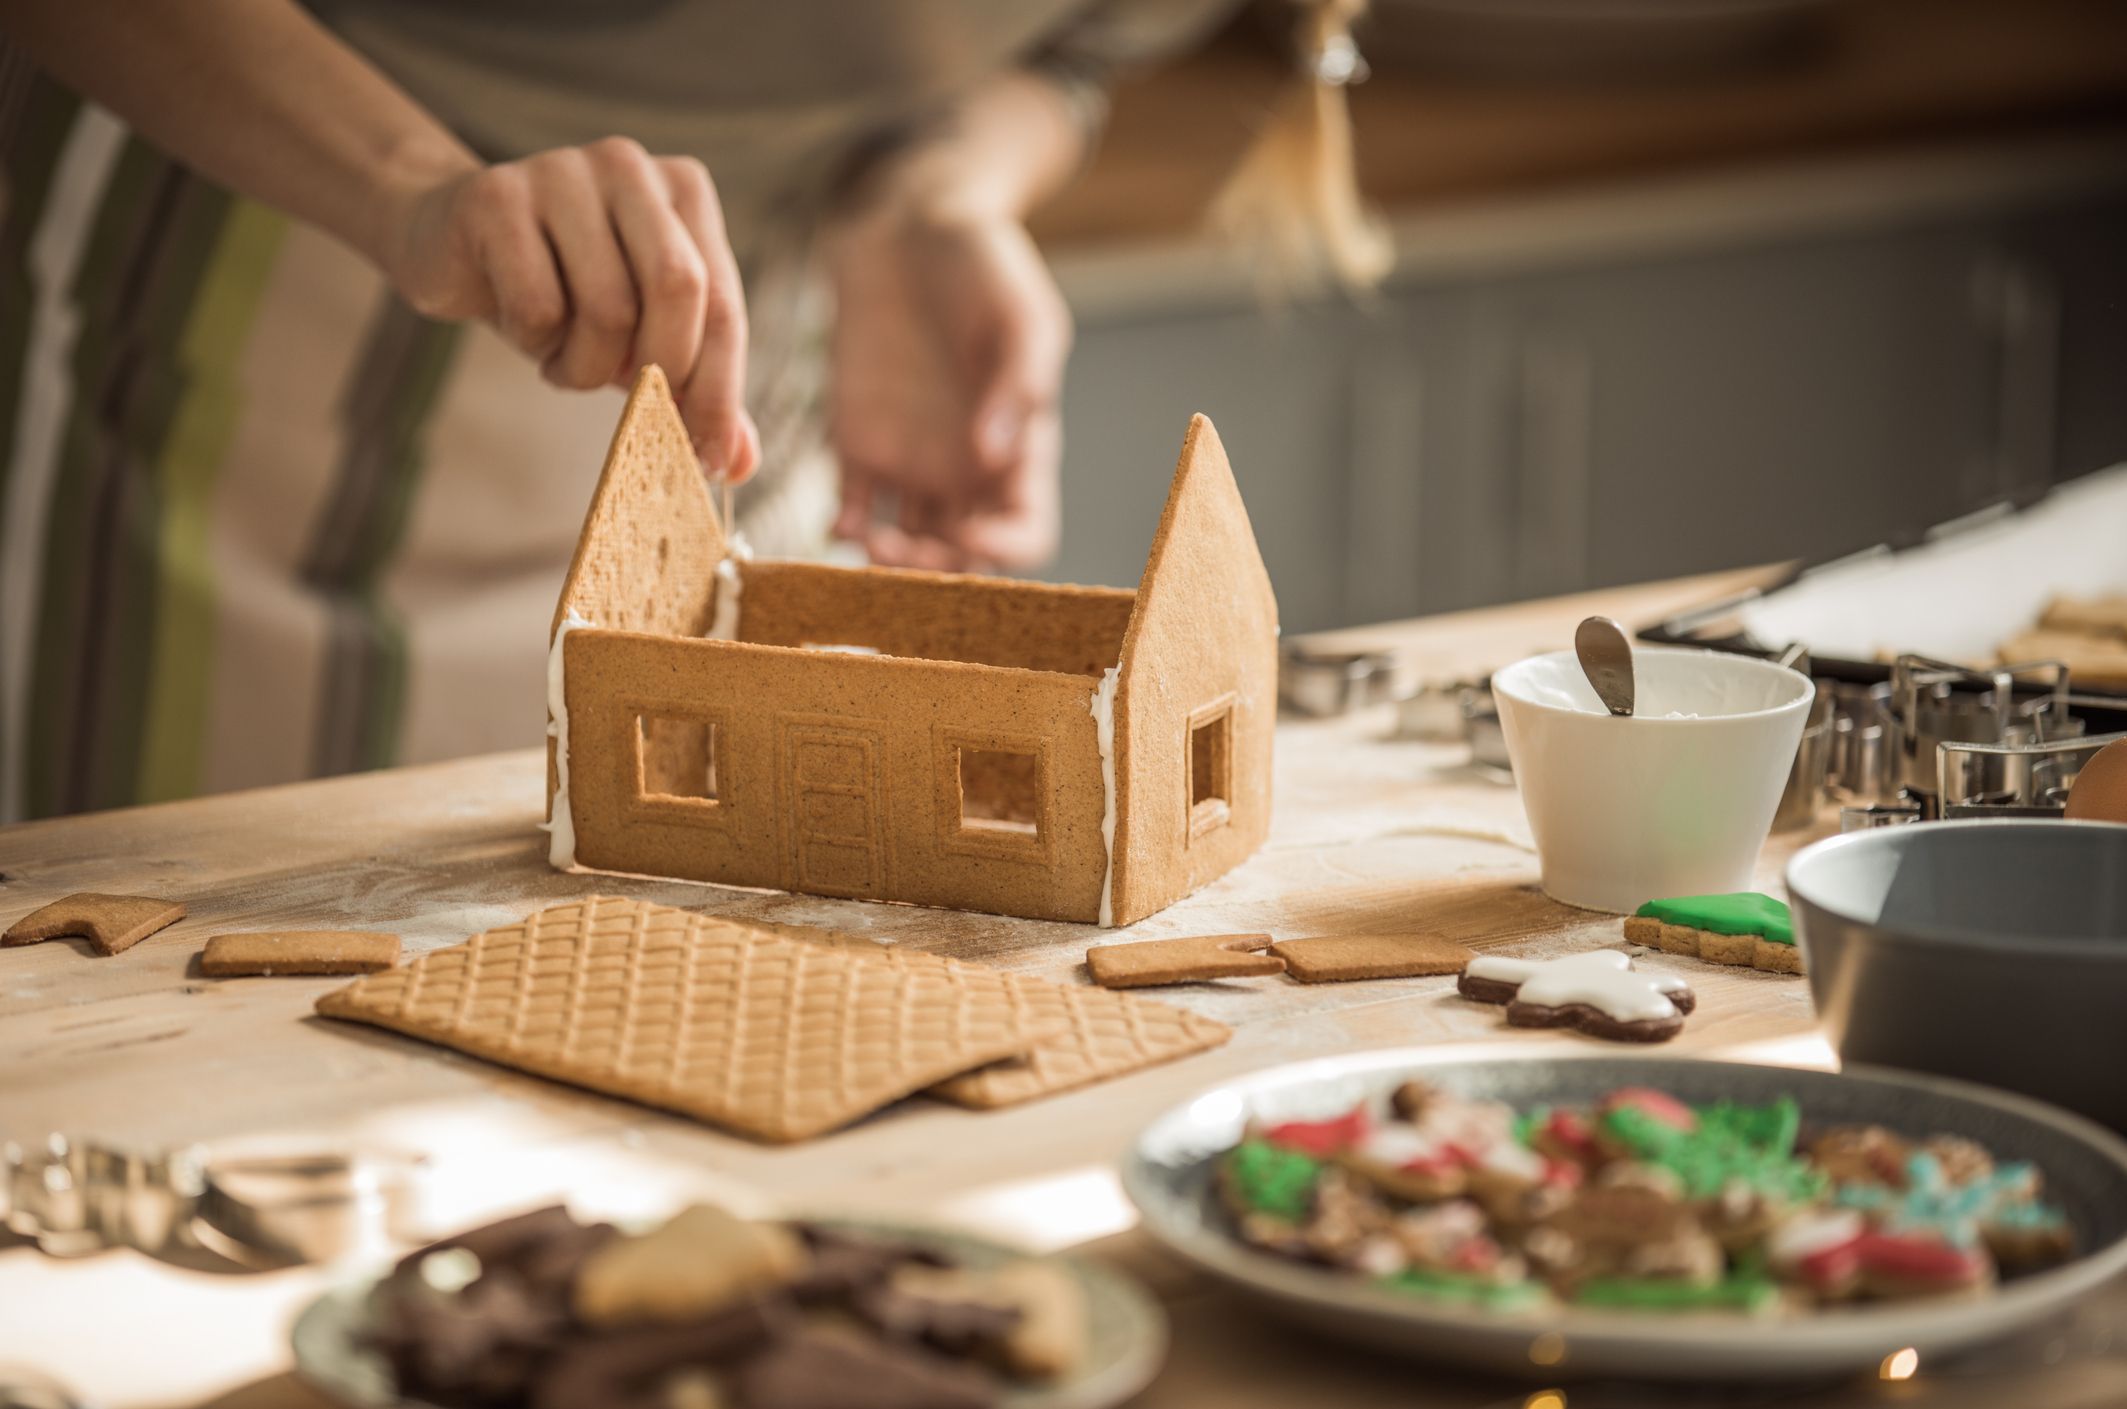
point(936, 616)
point(646, 559)
point(835, 774)
point(1201, 645)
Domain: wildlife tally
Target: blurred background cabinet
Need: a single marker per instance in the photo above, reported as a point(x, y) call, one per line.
point(1493, 428)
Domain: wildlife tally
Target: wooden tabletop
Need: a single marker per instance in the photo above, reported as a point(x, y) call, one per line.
point(139, 1049)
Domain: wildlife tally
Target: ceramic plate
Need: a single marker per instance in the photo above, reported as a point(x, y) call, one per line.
point(1125, 1342)
point(1168, 1175)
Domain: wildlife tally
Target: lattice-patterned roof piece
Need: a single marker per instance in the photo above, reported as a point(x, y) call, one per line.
point(1105, 1034)
point(757, 1034)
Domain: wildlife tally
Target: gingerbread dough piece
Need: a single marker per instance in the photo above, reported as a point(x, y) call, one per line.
point(113, 923)
point(298, 952)
point(1598, 993)
point(1152, 962)
point(1342, 957)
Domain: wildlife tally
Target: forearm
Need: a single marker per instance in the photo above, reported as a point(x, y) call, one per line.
point(254, 94)
point(1002, 150)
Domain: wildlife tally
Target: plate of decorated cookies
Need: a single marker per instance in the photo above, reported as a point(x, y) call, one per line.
point(708, 1310)
point(1653, 1217)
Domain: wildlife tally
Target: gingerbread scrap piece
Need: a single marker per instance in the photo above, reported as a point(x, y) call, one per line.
point(1340, 958)
point(760, 1035)
point(1598, 993)
point(1151, 962)
point(113, 923)
point(298, 952)
point(1744, 929)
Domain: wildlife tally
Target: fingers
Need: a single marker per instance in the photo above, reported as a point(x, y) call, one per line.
point(712, 396)
point(599, 260)
point(1015, 520)
point(1028, 346)
point(524, 293)
point(919, 536)
point(669, 272)
point(602, 298)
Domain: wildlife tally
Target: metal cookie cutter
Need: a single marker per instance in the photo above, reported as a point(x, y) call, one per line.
point(257, 1205)
point(1318, 682)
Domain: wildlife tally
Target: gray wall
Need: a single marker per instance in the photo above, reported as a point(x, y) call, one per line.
point(1459, 442)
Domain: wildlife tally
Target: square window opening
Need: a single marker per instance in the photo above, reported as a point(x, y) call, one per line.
point(678, 758)
point(1000, 792)
point(1211, 770)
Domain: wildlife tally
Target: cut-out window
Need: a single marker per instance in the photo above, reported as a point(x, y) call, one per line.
point(1211, 767)
point(1000, 792)
point(678, 758)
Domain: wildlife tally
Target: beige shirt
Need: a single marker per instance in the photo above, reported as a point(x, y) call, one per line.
point(781, 98)
point(259, 522)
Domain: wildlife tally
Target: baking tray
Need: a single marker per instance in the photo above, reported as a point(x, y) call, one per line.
point(1954, 592)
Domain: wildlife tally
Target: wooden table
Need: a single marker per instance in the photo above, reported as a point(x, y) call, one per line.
point(139, 1049)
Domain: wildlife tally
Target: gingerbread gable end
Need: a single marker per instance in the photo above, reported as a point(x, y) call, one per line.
point(646, 559)
point(1196, 702)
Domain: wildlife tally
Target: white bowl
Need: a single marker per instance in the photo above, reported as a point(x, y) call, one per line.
point(1675, 800)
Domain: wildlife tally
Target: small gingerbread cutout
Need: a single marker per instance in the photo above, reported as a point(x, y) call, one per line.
point(112, 923)
point(1598, 993)
point(1148, 963)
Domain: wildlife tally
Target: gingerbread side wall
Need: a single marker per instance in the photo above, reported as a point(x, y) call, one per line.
point(1196, 703)
point(646, 557)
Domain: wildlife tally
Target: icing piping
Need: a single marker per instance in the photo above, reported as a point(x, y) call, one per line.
point(730, 587)
point(1602, 978)
point(1744, 912)
point(561, 827)
point(1104, 736)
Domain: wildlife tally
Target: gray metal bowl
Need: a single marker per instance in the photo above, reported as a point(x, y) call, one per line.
point(1990, 950)
point(1168, 1175)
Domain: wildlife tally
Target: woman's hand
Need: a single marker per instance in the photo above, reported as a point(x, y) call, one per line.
point(595, 261)
point(948, 357)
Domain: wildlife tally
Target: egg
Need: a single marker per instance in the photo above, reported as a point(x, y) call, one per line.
point(2100, 791)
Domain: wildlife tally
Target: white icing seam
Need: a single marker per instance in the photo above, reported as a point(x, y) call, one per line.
point(561, 828)
point(1104, 737)
point(730, 588)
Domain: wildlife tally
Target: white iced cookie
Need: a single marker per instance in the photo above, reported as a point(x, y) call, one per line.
point(1598, 992)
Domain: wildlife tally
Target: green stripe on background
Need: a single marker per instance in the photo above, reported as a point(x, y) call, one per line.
point(151, 243)
point(413, 402)
point(109, 770)
point(209, 355)
point(408, 362)
point(32, 159)
point(63, 629)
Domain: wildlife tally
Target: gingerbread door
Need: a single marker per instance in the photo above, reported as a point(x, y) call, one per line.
point(833, 775)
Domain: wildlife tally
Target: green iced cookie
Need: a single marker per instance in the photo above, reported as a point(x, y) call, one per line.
point(1272, 1180)
point(1745, 912)
point(1464, 1288)
point(1753, 1144)
point(1736, 1292)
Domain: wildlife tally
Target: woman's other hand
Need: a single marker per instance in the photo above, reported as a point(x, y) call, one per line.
point(948, 358)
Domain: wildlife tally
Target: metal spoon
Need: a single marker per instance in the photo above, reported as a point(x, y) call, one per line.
point(1606, 657)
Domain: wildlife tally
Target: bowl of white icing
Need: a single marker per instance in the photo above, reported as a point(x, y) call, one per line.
point(1674, 800)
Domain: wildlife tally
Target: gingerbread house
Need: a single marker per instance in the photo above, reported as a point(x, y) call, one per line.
point(1065, 753)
